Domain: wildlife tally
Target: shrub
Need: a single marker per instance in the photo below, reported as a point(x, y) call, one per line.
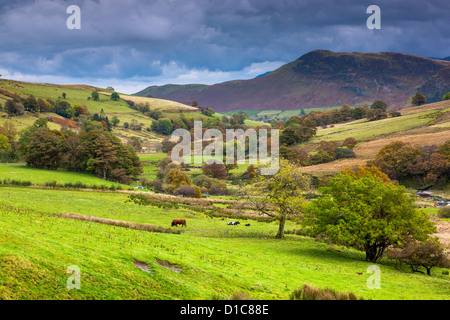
point(394, 114)
point(214, 170)
point(217, 190)
point(146, 183)
point(16, 182)
point(202, 181)
point(321, 157)
point(350, 142)
point(177, 177)
point(158, 186)
point(417, 254)
point(52, 184)
point(308, 292)
point(444, 212)
point(188, 191)
point(344, 153)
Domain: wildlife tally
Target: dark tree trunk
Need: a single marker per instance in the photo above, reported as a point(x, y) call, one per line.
point(280, 233)
point(374, 252)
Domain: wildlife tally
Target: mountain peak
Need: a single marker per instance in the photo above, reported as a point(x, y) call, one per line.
point(322, 78)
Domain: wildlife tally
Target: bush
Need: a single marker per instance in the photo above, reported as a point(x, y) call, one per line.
point(444, 212)
point(16, 182)
point(188, 191)
point(417, 254)
point(321, 157)
point(146, 183)
point(217, 190)
point(344, 153)
point(308, 292)
point(350, 142)
point(158, 186)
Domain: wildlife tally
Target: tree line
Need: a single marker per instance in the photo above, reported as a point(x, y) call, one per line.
point(93, 149)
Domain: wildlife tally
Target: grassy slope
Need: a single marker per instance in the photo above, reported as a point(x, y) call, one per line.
point(423, 125)
point(216, 260)
point(15, 171)
point(78, 94)
point(36, 248)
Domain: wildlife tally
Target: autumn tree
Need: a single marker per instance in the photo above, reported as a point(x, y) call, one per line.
point(379, 105)
point(417, 254)
point(401, 160)
point(418, 99)
point(14, 108)
point(350, 142)
point(214, 170)
point(366, 211)
point(394, 158)
point(107, 157)
point(280, 195)
point(45, 149)
point(177, 178)
point(10, 130)
point(4, 144)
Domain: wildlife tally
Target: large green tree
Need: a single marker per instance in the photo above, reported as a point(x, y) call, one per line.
point(45, 149)
point(366, 211)
point(279, 196)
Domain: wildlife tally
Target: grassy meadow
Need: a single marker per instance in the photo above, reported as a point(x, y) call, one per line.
point(209, 260)
point(18, 172)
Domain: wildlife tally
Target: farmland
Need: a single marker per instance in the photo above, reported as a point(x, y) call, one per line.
point(423, 125)
point(81, 95)
point(215, 261)
point(130, 251)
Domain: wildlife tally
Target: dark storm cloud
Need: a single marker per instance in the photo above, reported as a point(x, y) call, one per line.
point(210, 40)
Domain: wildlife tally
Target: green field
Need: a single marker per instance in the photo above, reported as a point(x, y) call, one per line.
point(19, 172)
point(280, 114)
point(216, 260)
point(43, 231)
point(362, 129)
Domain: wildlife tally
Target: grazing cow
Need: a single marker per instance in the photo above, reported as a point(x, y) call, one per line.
point(247, 225)
point(233, 223)
point(176, 222)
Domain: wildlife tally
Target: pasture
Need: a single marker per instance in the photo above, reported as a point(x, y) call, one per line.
point(209, 260)
point(18, 172)
point(364, 129)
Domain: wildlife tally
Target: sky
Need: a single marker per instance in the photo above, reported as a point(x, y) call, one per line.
point(131, 44)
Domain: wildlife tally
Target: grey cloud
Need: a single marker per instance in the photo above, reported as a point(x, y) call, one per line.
point(123, 39)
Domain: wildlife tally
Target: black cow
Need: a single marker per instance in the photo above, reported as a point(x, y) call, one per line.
point(247, 225)
point(233, 223)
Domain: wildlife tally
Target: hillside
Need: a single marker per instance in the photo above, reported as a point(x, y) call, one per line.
point(129, 250)
point(422, 125)
point(321, 79)
point(79, 94)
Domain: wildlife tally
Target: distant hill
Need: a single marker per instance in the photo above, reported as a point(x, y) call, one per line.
point(323, 78)
point(422, 125)
point(79, 94)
